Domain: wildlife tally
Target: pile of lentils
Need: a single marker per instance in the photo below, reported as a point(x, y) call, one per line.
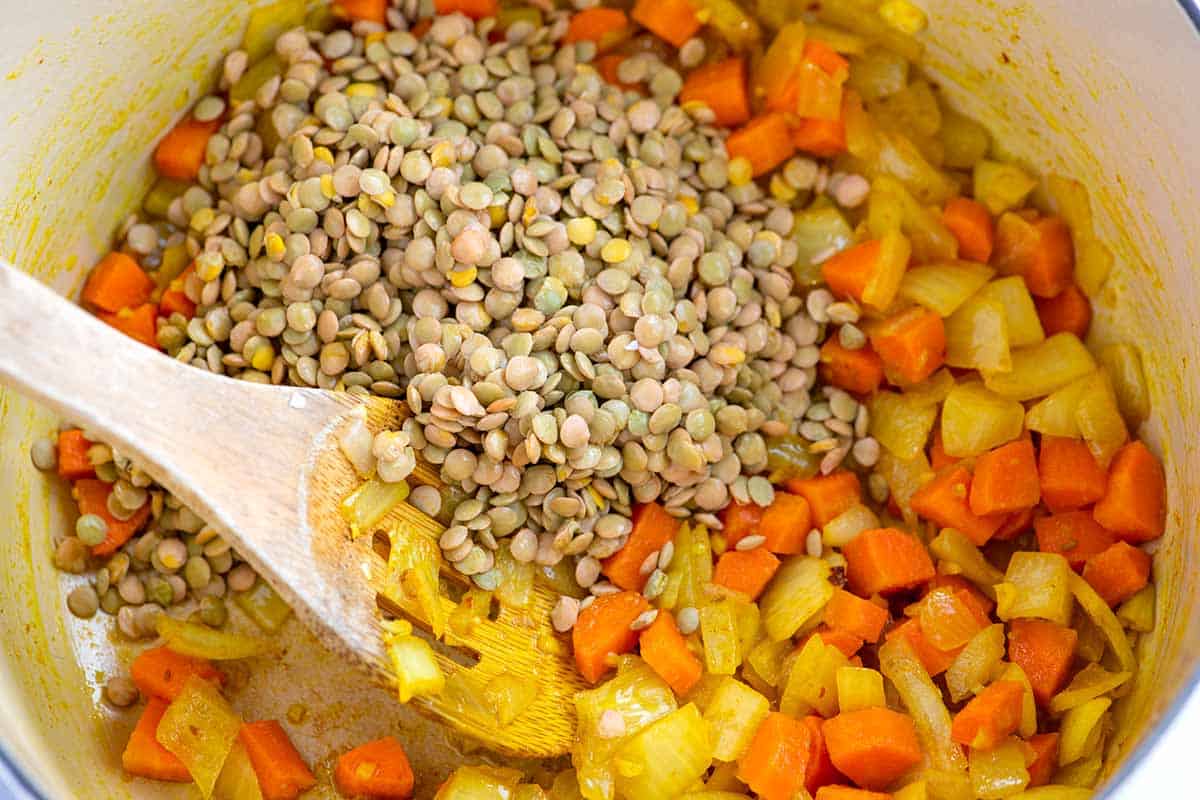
point(583, 301)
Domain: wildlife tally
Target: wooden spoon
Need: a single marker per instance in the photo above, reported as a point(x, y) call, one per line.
point(261, 465)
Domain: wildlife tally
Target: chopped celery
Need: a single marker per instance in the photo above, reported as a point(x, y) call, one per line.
point(1081, 729)
point(370, 503)
point(901, 159)
point(859, 688)
point(516, 580)
point(238, 780)
point(1036, 585)
point(640, 697)
point(818, 233)
point(999, 772)
point(747, 620)
point(719, 632)
point(1105, 620)
point(975, 419)
point(1042, 368)
point(666, 758)
point(268, 22)
point(933, 390)
point(200, 728)
point(1099, 419)
point(843, 528)
point(977, 336)
point(1137, 613)
point(691, 568)
point(900, 423)
point(884, 282)
point(417, 670)
point(1089, 683)
point(877, 73)
point(264, 606)
point(789, 457)
point(1029, 712)
point(508, 695)
point(201, 641)
point(923, 699)
point(964, 141)
point(1055, 414)
point(976, 663)
point(705, 690)
point(733, 715)
point(766, 659)
point(253, 78)
point(903, 479)
point(795, 596)
point(812, 680)
point(1124, 366)
point(1001, 187)
point(953, 546)
point(1024, 326)
point(943, 287)
point(480, 783)
point(413, 569)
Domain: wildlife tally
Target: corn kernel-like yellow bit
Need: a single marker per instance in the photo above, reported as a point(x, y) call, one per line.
point(498, 215)
point(263, 359)
point(903, 16)
point(615, 251)
point(581, 231)
point(530, 213)
point(442, 154)
point(209, 266)
point(387, 199)
point(202, 219)
point(327, 189)
point(740, 171)
point(781, 190)
point(323, 154)
point(463, 278)
point(361, 90)
point(275, 247)
point(689, 203)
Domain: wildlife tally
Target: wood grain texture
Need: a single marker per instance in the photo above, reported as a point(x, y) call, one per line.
point(261, 465)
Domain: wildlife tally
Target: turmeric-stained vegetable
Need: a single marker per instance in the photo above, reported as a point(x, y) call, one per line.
point(1123, 364)
point(722, 642)
point(664, 759)
point(1137, 613)
point(507, 696)
point(977, 336)
point(1036, 585)
point(237, 780)
point(1040, 369)
point(1081, 729)
point(998, 772)
point(200, 641)
point(1020, 314)
point(414, 563)
point(479, 782)
point(870, 272)
point(734, 714)
point(859, 688)
point(376, 769)
point(417, 671)
point(1001, 187)
point(956, 548)
point(924, 702)
point(690, 570)
point(267, 22)
point(200, 728)
point(944, 287)
point(817, 232)
point(812, 679)
point(144, 756)
point(1099, 419)
point(975, 663)
point(371, 502)
point(737, 28)
point(901, 422)
point(840, 530)
point(1089, 683)
point(796, 596)
point(878, 72)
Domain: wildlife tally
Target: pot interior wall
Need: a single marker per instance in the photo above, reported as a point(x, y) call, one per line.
point(90, 84)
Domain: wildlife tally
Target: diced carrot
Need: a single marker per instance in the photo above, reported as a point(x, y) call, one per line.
point(848, 272)
point(1134, 502)
point(139, 323)
point(666, 651)
point(857, 371)
point(971, 224)
point(608, 65)
point(475, 9)
point(886, 560)
point(740, 520)
point(991, 715)
point(144, 756)
point(813, 89)
point(746, 571)
point(786, 523)
point(73, 461)
point(964, 589)
point(421, 27)
point(849, 612)
point(1074, 535)
point(1039, 250)
point(92, 498)
point(161, 672)
point(824, 138)
point(1045, 758)
point(722, 87)
point(774, 764)
point(282, 773)
point(938, 458)
point(849, 793)
point(764, 141)
point(944, 501)
point(378, 769)
point(934, 660)
point(846, 642)
point(672, 20)
point(949, 618)
point(362, 10)
point(1005, 480)
point(174, 298)
point(912, 345)
point(1069, 311)
point(873, 746)
point(1044, 650)
point(1014, 525)
point(1118, 573)
point(607, 27)
point(117, 282)
point(603, 628)
point(825, 57)
point(180, 154)
point(828, 495)
point(820, 770)
point(1069, 474)
point(653, 527)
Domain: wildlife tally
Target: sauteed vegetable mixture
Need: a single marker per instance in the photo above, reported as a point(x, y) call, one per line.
point(719, 320)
